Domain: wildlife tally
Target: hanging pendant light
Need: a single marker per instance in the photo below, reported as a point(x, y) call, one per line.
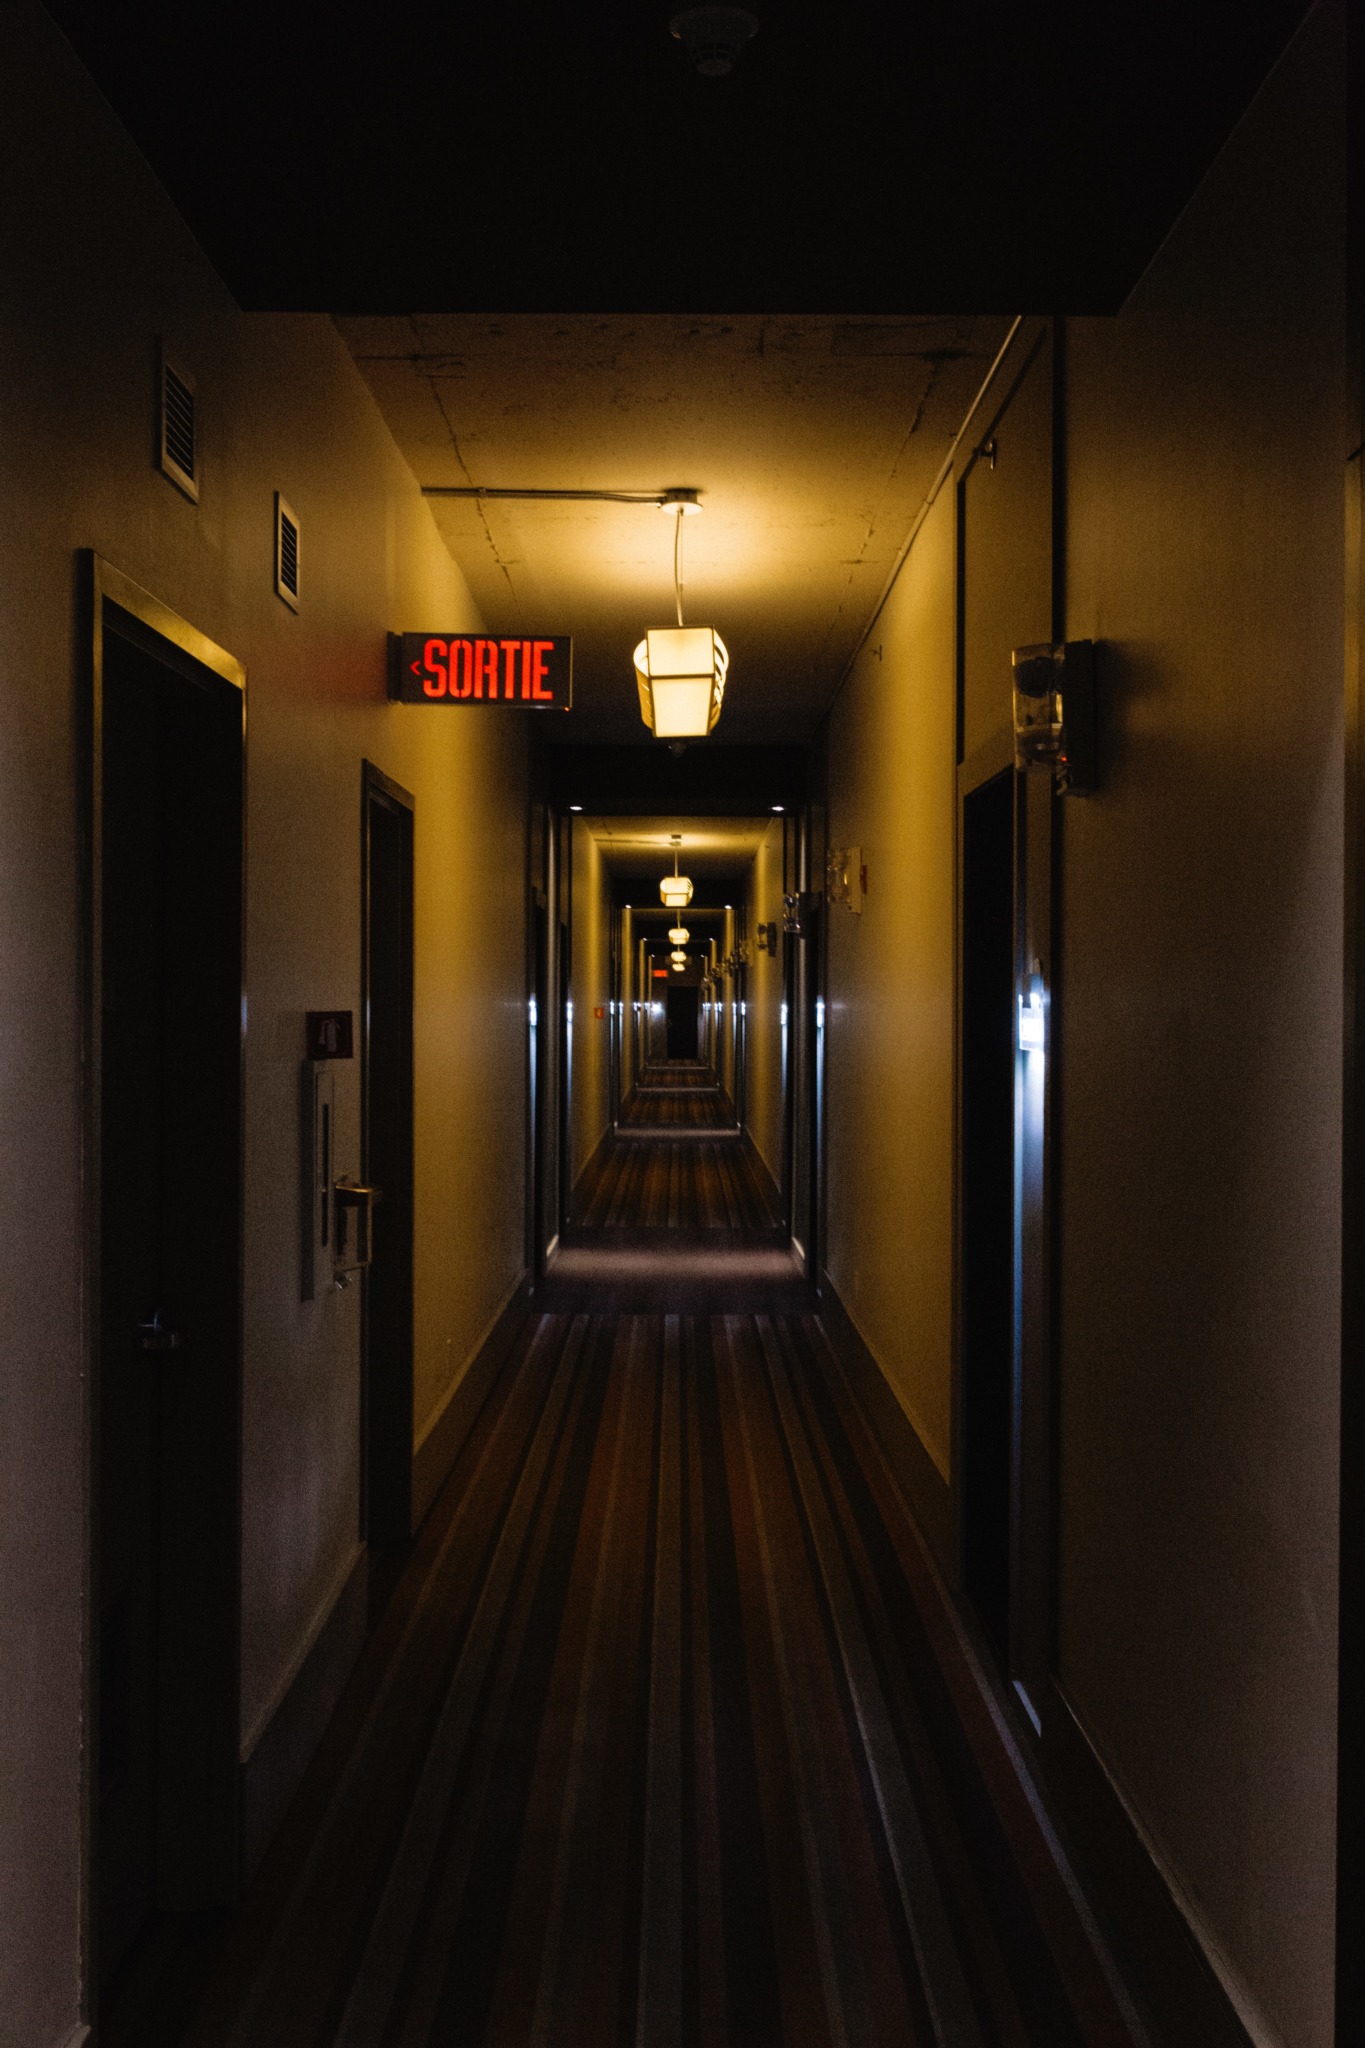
point(675, 889)
point(681, 670)
point(680, 935)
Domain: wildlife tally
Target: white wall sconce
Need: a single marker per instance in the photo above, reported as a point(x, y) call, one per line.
point(1054, 713)
point(798, 914)
point(846, 877)
point(1033, 1019)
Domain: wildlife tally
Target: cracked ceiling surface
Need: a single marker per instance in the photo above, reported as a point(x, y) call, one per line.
point(811, 440)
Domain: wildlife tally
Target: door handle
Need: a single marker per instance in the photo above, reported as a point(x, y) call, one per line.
point(154, 1336)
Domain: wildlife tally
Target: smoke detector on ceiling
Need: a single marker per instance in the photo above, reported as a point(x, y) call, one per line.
point(714, 36)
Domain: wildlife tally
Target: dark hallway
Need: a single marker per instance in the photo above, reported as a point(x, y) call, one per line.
point(666, 1737)
point(685, 1114)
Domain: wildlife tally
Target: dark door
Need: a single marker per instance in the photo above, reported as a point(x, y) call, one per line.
point(541, 1040)
point(807, 1078)
point(682, 1023)
point(1037, 844)
point(987, 1167)
point(386, 1158)
point(741, 1014)
point(168, 907)
point(564, 1075)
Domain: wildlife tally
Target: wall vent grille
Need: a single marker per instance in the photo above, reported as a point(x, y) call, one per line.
point(179, 429)
point(286, 553)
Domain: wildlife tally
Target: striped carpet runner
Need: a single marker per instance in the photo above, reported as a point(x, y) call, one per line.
point(664, 1740)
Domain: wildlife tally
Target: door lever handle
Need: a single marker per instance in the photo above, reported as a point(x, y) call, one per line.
point(154, 1336)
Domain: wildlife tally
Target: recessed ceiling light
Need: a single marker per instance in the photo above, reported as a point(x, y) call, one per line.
point(575, 807)
point(779, 807)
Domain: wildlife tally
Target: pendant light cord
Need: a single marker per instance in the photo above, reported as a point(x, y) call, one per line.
point(677, 562)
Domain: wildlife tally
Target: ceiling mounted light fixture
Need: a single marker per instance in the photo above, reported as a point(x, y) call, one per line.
point(680, 935)
point(675, 889)
point(681, 669)
point(714, 36)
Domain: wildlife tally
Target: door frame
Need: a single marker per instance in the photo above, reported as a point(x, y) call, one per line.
point(103, 584)
point(374, 782)
point(992, 759)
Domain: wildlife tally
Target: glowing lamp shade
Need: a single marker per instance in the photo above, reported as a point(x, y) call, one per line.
point(680, 934)
point(681, 673)
point(676, 891)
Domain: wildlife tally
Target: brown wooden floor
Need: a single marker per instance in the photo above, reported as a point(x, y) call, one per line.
point(681, 1092)
point(666, 1737)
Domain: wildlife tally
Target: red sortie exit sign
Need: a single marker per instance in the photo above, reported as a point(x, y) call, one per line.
point(465, 668)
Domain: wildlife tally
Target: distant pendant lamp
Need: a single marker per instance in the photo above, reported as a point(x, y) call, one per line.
point(681, 669)
point(676, 889)
point(679, 960)
point(680, 935)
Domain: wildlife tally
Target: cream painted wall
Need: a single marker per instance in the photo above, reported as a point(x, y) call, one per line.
point(763, 1026)
point(96, 266)
point(590, 1096)
point(1202, 1032)
point(889, 1045)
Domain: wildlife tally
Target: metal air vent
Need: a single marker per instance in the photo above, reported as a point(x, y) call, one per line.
point(286, 553)
point(179, 445)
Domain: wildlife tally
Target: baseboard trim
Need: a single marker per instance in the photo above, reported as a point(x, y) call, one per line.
point(772, 1193)
point(271, 1773)
point(591, 1165)
point(443, 1438)
point(925, 1487)
point(1193, 1993)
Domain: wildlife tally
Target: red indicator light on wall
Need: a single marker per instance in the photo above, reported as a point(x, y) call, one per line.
point(467, 668)
point(661, 974)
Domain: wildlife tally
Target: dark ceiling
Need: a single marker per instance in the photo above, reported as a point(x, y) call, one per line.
point(950, 155)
